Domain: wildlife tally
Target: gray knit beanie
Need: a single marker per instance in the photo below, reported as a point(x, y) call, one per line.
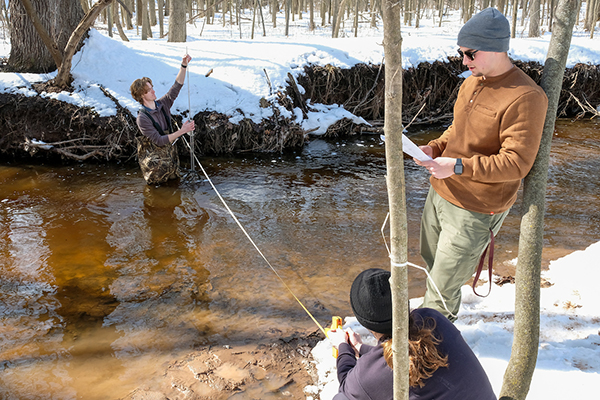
point(371, 300)
point(487, 31)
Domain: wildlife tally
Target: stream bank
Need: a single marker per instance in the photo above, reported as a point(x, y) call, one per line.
point(38, 128)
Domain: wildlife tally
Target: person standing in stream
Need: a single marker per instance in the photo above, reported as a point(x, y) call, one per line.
point(157, 155)
point(479, 161)
point(159, 111)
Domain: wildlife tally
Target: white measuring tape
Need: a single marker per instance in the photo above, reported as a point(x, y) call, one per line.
point(252, 241)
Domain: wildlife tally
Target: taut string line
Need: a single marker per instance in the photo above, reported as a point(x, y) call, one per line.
point(252, 241)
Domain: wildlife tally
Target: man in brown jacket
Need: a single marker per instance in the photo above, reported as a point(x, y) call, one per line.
point(479, 161)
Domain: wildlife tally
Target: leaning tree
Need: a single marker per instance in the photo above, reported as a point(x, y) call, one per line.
point(521, 366)
point(60, 47)
point(53, 21)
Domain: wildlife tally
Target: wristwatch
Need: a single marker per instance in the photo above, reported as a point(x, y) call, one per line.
point(458, 167)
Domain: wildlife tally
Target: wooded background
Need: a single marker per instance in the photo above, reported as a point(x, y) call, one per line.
point(45, 34)
point(61, 17)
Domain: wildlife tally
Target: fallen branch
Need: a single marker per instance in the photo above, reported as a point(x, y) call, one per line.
point(78, 157)
point(585, 108)
point(32, 146)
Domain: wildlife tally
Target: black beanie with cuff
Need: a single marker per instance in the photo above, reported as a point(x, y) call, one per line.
point(371, 300)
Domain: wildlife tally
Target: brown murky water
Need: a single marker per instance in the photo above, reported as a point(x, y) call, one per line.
point(104, 280)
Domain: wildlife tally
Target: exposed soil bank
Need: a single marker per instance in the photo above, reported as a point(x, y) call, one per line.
point(429, 91)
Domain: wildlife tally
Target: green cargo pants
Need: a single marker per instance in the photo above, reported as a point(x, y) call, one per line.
point(452, 241)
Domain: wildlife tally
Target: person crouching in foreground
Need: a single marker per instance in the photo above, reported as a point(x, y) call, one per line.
point(442, 365)
point(157, 157)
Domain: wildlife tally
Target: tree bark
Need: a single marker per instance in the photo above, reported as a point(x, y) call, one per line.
point(534, 18)
point(109, 18)
point(177, 21)
point(356, 11)
point(128, 17)
point(39, 27)
point(517, 378)
point(115, 8)
point(28, 51)
point(161, 17)
point(138, 14)
point(338, 15)
point(63, 77)
point(513, 24)
point(145, 21)
point(152, 12)
point(392, 44)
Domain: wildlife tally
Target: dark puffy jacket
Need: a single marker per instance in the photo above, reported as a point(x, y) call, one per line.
point(369, 377)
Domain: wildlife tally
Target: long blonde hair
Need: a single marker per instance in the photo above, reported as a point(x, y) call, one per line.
point(424, 355)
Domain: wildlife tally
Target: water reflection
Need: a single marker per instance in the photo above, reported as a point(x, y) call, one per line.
point(105, 280)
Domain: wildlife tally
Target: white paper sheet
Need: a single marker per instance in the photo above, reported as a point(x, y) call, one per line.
point(413, 150)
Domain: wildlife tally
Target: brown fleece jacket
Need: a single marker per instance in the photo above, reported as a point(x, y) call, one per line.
point(497, 130)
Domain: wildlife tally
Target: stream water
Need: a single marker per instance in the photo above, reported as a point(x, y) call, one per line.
point(104, 280)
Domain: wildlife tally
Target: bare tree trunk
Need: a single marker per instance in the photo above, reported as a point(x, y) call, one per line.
point(253, 20)
point(311, 7)
point(418, 20)
point(534, 18)
point(392, 42)
point(513, 24)
point(288, 7)
point(262, 18)
point(517, 378)
point(115, 8)
point(28, 51)
point(145, 22)
point(138, 15)
point(109, 19)
point(356, 18)
point(335, 9)
point(39, 27)
point(4, 19)
point(375, 4)
point(501, 6)
point(338, 14)
point(152, 12)
point(63, 77)
point(177, 22)
point(591, 16)
point(128, 17)
point(161, 18)
point(551, 14)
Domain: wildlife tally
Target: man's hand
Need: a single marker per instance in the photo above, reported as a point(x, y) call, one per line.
point(188, 126)
point(440, 168)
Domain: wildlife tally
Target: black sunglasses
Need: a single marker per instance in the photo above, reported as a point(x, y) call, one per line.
point(470, 54)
